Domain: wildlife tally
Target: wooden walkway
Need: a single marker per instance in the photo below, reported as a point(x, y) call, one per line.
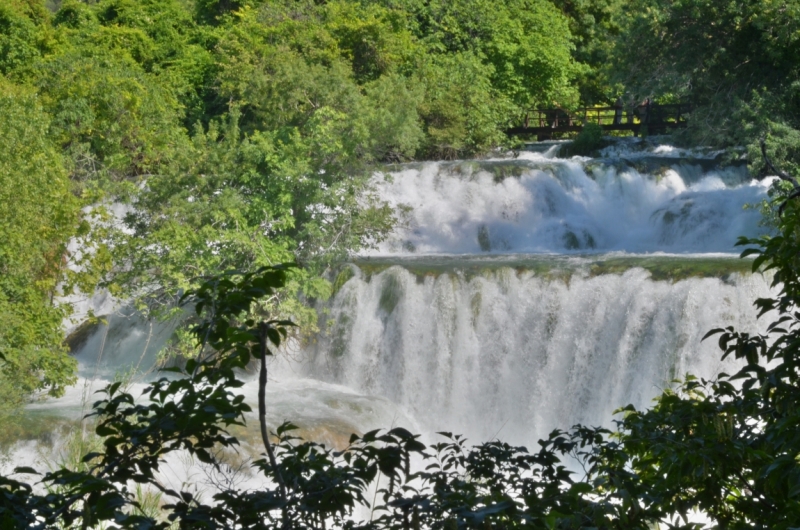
point(654, 119)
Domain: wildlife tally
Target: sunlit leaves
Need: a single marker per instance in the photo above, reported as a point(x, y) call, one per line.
point(37, 215)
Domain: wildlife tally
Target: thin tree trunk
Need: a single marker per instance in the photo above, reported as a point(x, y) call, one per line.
point(262, 409)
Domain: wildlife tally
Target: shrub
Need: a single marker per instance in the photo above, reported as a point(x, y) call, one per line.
point(588, 141)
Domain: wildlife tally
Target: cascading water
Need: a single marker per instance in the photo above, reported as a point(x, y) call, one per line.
point(516, 296)
point(540, 204)
point(523, 295)
point(512, 351)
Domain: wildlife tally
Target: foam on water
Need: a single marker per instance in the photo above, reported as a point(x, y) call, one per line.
point(520, 352)
point(537, 204)
point(632, 147)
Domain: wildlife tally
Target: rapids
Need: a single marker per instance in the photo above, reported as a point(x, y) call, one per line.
point(516, 295)
point(633, 202)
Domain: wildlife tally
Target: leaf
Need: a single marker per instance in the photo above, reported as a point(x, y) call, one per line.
point(581, 488)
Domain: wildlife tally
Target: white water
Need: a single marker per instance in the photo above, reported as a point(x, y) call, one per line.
point(517, 354)
point(507, 351)
point(576, 205)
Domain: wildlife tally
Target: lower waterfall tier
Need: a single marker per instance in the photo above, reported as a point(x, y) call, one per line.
point(514, 353)
point(481, 345)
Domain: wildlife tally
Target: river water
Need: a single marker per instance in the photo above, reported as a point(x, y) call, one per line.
point(517, 295)
point(527, 294)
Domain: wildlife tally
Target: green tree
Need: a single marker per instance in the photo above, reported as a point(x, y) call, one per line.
point(163, 37)
point(38, 215)
point(461, 110)
point(114, 121)
point(596, 27)
point(236, 200)
point(24, 34)
point(734, 61)
point(374, 39)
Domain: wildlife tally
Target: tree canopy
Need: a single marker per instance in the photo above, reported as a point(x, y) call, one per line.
point(733, 61)
point(37, 214)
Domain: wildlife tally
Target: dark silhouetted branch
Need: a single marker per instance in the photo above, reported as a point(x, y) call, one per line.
point(776, 171)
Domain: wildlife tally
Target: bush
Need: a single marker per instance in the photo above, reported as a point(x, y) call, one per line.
point(588, 141)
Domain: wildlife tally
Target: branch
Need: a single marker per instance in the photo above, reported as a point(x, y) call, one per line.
point(783, 176)
point(795, 193)
point(776, 171)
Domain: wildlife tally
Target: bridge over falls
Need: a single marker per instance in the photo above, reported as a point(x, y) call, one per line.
point(652, 118)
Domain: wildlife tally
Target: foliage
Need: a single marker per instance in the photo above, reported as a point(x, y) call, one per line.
point(588, 141)
point(749, 45)
point(37, 215)
point(733, 61)
point(517, 54)
point(597, 27)
point(460, 111)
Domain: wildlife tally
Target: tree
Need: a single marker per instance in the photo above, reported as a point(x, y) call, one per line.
point(596, 28)
point(733, 61)
point(38, 215)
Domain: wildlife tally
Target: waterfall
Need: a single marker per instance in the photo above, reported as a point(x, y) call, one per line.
point(516, 352)
point(644, 203)
point(525, 294)
point(515, 296)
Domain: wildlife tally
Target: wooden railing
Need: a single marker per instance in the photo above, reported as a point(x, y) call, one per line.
point(656, 118)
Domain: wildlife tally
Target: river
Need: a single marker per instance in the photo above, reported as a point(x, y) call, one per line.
point(518, 295)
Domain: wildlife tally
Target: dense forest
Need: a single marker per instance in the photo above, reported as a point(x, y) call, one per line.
point(149, 145)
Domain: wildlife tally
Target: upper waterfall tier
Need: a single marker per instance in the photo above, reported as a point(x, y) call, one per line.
point(656, 200)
